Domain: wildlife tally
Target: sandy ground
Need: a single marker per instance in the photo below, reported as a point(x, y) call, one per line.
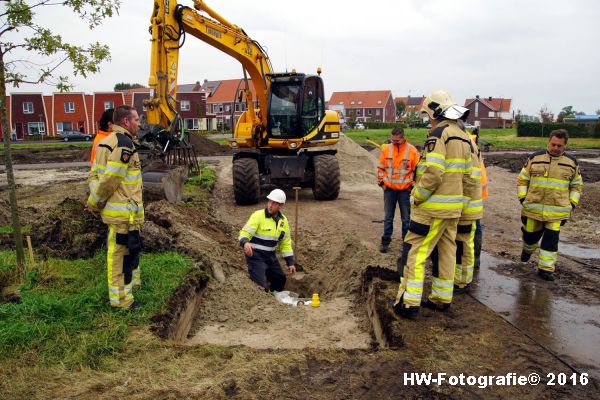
point(245, 344)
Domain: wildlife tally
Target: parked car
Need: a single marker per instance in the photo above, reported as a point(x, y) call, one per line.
point(359, 125)
point(68, 136)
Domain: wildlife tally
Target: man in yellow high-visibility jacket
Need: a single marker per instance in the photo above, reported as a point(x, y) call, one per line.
point(549, 188)
point(266, 231)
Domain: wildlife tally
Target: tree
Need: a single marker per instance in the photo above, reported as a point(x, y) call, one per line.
point(566, 112)
point(400, 108)
point(546, 115)
point(20, 31)
point(123, 86)
point(598, 111)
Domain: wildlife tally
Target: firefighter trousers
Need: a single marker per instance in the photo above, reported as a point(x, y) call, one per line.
point(534, 230)
point(424, 235)
point(465, 253)
point(123, 267)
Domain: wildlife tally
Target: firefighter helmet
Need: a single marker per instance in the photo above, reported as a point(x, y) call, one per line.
point(440, 104)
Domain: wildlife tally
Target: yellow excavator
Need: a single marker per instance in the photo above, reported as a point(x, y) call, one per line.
point(284, 142)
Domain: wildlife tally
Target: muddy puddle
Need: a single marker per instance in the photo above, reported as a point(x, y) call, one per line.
point(567, 328)
point(574, 250)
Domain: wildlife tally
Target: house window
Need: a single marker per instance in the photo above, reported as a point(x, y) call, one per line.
point(378, 101)
point(370, 112)
point(378, 112)
point(192, 124)
point(64, 126)
point(27, 107)
point(69, 107)
point(360, 102)
point(227, 108)
point(108, 105)
point(237, 107)
point(357, 112)
point(476, 110)
point(341, 103)
point(185, 105)
point(351, 102)
point(36, 128)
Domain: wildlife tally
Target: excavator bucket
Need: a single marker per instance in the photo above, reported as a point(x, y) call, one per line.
point(166, 184)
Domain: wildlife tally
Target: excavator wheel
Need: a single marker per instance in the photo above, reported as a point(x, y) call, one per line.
point(246, 185)
point(327, 177)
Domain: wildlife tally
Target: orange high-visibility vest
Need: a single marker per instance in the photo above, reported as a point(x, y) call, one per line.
point(397, 164)
point(99, 136)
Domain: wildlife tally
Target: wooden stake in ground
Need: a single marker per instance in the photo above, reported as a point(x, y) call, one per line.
point(296, 190)
point(30, 247)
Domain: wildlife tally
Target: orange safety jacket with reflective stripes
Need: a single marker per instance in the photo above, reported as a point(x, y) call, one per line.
point(99, 136)
point(397, 165)
point(484, 190)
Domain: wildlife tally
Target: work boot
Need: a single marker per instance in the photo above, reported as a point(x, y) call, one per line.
point(385, 245)
point(546, 275)
point(406, 312)
point(464, 289)
point(525, 256)
point(445, 307)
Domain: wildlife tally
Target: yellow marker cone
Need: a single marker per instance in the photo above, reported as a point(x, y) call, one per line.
point(315, 302)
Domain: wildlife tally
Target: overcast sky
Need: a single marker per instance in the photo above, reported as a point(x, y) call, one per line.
point(537, 52)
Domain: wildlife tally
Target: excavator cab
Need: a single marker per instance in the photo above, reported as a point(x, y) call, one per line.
point(296, 105)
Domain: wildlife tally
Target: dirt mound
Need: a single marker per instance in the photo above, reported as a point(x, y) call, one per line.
point(206, 147)
point(357, 165)
point(68, 231)
point(48, 155)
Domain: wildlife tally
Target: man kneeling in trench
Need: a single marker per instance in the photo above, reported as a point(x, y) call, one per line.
point(266, 231)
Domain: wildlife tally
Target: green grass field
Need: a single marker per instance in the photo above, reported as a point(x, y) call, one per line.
point(498, 138)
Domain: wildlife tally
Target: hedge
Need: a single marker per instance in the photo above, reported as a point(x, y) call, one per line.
point(384, 125)
point(537, 129)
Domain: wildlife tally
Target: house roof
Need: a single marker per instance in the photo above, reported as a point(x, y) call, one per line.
point(410, 101)
point(189, 87)
point(494, 103)
point(227, 91)
point(210, 86)
point(362, 99)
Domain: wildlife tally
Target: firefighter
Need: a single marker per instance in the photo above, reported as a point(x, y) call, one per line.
point(466, 230)
point(395, 174)
point(549, 188)
point(266, 231)
point(478, 240)
point(442, 190)
point(105, 125)
point(116, 191)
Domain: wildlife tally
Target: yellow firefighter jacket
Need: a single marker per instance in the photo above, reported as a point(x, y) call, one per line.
point(444, 185)
point(549, 187)
point(474, 210)
point(268, 233)
point(115, 180)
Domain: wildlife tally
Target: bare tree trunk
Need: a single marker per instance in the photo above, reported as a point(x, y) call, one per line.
point(10, 177)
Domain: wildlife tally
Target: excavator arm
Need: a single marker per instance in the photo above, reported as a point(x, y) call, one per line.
point(170, 23)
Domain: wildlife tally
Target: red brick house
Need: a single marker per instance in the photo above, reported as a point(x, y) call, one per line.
point(28, 114)
point(223, 100)
point(69, 113)
point(490, 112)
point(191, 104)
point(373, 105)
point(411, 104)
point(103, 101)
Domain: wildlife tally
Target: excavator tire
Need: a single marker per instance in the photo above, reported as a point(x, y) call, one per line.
point(327, 177)
point(246, 185)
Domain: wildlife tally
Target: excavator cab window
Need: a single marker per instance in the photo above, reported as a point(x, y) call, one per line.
point(295, 107)
point(283, 109)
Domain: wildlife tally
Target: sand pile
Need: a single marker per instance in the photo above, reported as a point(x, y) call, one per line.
point(357, 165)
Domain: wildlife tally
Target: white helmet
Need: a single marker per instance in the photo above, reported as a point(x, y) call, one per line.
point(277, 195)
point(440, 104)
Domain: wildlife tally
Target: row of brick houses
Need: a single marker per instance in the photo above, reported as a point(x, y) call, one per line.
point(215, 105)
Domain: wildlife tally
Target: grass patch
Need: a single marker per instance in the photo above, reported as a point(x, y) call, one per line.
point(64, 314)
point(51, 144)
point(499, 138)
point(197, 188)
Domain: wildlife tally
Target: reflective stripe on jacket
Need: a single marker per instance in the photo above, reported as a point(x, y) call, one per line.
point(116, 180)
point(548, 187)
point(396, 167)
point(268, 234)
point(444, 184)
point(474, 209)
